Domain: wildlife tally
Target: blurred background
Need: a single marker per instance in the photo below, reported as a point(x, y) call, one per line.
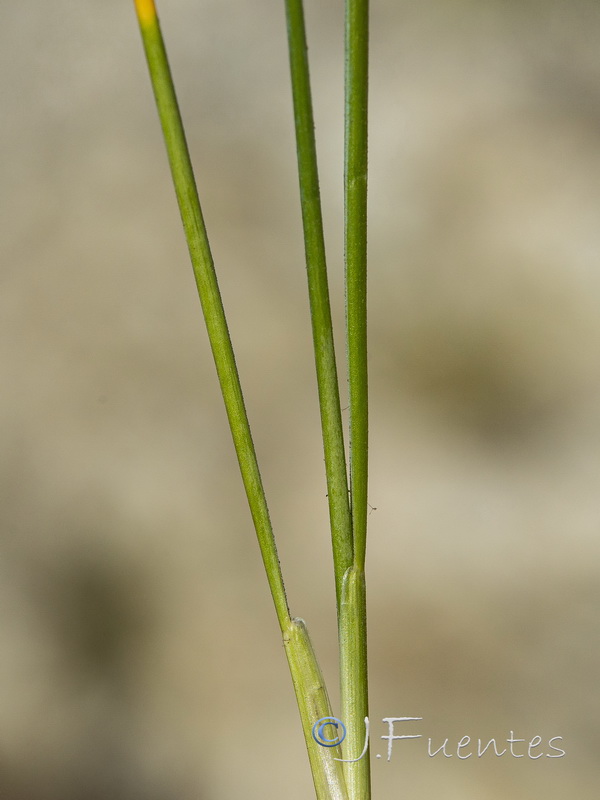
point(139, 651)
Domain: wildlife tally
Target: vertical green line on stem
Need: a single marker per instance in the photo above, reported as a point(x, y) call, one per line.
point(314, 243)
point(210, 298)
point(353, 627)
point(355, 225)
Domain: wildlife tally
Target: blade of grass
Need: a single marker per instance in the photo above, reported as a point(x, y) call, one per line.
point(353, 628)
point(322, 329)
point(308, 683)
point(210, 297)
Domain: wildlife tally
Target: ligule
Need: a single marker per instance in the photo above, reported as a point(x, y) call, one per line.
point(314, 705)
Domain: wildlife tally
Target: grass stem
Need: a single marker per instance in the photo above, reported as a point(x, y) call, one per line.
point(322, 329)
point(353, 683)
point(353, 623)
point(355, 238)
point(210, 297)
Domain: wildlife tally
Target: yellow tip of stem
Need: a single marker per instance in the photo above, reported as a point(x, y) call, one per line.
point(146, 11)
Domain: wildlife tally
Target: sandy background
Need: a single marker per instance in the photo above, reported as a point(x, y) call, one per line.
point(139, 653)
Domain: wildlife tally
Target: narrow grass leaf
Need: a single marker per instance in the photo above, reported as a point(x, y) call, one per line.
point(210, 297)
point(322, 329)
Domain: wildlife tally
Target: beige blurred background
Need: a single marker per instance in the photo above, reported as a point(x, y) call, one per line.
point(139, 652)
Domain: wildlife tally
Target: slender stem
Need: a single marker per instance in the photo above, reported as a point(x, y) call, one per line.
point(210, 298)
point(353, 624)
point(329, 396)
point(355, 190)
point(353, 683)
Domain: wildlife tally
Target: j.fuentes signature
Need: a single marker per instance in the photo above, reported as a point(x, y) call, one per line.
point(330, 731)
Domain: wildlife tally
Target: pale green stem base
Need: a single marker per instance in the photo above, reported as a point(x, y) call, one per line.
point(313, 703)
point(353, 682)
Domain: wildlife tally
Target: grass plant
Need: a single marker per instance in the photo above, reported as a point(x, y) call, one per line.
point(335, 776)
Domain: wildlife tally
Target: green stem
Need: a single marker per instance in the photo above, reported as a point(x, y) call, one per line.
point(322, 329)
point(352, 625)
point(355, 191)
point(210, 298)
point(353, 683)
